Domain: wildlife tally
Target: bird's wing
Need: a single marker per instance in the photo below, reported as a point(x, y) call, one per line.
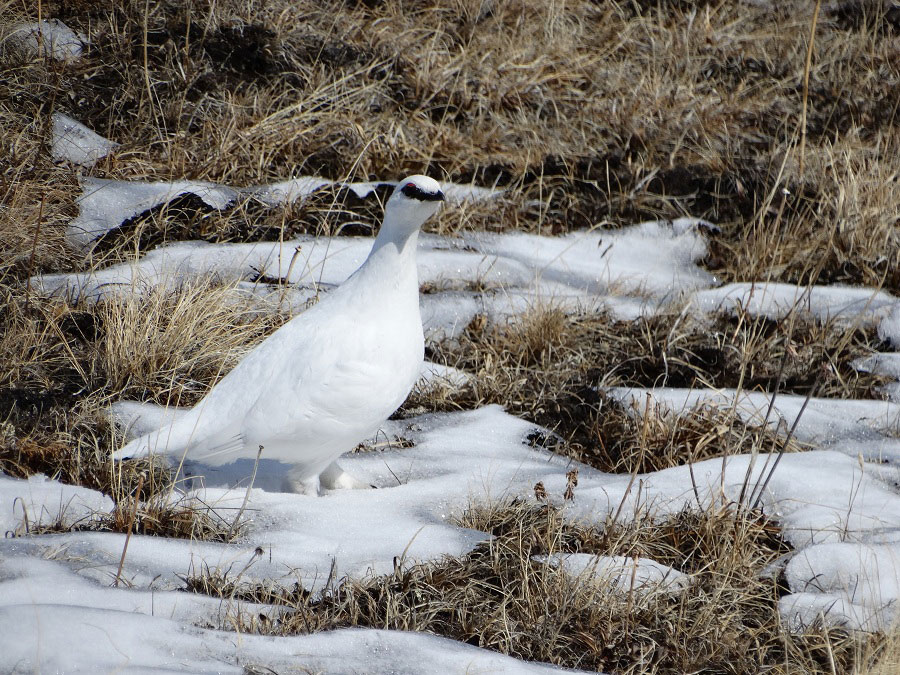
point(213, 431)
point(325, 396)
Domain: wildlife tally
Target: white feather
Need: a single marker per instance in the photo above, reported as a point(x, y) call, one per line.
point(327, 379)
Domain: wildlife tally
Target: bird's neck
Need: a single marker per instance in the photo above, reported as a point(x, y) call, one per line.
point(394, 256)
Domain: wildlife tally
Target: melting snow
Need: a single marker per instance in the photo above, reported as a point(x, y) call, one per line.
point(108, 640)
point(52, 37)
point(73, 142)
point(856, 427)
point(629, 272)
point(838, 504)
point(856, 585)
point(776, 301)
point(104, 204)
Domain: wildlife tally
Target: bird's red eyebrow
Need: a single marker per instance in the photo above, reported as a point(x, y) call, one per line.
point(412, 185)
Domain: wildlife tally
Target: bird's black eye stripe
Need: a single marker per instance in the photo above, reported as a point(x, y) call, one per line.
point(413, 191)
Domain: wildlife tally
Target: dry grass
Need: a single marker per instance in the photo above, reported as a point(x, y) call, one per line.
point(498, 597)
point(885, 660)
point(61, 367)
point(551, 368)
point(145, 503)
point(588, 114)
point(527, 95)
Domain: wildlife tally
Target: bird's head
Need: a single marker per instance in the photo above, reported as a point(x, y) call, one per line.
point(414, 200)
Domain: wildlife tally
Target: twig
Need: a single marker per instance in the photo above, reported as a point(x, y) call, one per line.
point(637, 466)
point(240, 512)
point(145, 49)
point(787, 440)
point(398, 562)
point(137, 499)
point(778, 383)
point(24, 513)
point(37, 233)
point(806, 69)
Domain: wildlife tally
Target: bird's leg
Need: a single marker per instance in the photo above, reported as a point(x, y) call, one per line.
point(335, 478)
point(306, 486)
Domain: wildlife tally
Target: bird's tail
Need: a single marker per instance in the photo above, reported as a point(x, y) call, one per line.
point(139, 447)
point(145, 424)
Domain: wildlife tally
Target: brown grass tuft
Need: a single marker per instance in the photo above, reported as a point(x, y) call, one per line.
point(498, 597)
point(551, 368)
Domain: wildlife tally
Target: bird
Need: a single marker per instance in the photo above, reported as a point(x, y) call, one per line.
point(324, 381)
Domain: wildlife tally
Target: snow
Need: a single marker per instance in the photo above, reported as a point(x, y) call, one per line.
point(862, 578)
point(105, 204)
point(71, 639)
point(883, 363)
point(289, 191)
point(456, 457)
point(438, 375)
point(650, 258)
point(73, 142)
point(621, 573)
point(819, 497)
point(629, 272)
point(775, 301)
point(40, 500)
point(841, 512)
point(51, 37)
point(869, 428)
point(837, 503)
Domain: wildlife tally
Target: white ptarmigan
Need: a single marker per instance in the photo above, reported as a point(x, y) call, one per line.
point(327, 379)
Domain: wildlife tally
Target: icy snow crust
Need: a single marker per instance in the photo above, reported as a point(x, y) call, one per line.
point(105, 204)
point(52, 37)
point(838, 504)
point(73, 142)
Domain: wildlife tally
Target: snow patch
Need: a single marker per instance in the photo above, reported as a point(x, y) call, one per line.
point(864, 577)
point(775, 301)
point(511, 273)
point(867, 428)
point(51, 37)
point(104, 640)
point(39, 500)
point(621, 573)
point(105, 204)
point(73, 142)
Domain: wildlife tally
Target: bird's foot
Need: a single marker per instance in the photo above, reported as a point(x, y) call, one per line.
point(335, 478)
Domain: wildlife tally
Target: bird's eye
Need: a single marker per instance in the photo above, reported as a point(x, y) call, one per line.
point(413, 191)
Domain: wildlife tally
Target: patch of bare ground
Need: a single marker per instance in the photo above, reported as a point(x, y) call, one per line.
point(500, 597)
point(551, 368)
